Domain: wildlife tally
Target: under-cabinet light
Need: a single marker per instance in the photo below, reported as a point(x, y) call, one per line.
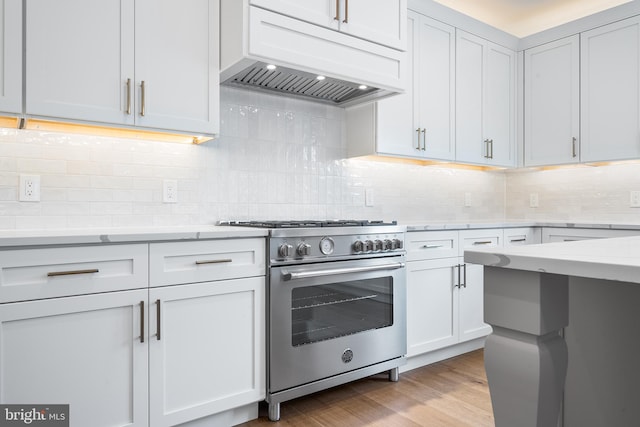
point(52, 126)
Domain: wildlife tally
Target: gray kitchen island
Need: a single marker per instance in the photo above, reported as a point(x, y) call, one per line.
point(566, 332)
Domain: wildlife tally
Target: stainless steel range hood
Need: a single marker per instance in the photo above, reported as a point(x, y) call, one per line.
point(354, 71)
point(287, 81)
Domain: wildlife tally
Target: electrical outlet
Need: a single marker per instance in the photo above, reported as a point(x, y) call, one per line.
point(170, 191)
point(29, 190)
point(467, 200)
point(634, 199)
point(533, 200)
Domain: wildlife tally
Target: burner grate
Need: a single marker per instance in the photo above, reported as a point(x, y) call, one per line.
point(309, 223)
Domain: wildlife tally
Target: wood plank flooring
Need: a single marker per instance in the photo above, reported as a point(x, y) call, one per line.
point(451, 393)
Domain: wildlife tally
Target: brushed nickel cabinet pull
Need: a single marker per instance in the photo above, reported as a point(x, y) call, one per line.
point(431, 246)
point(491, 146)
point(418, 132)
point(72, 272)
point(459, 268)
point(346, 11)
point(486, 148)
point(128, 97)
point(424, 139)
point(464, 276)
point(337, 17)
point(158, 319)
point(214, 261)
point(142, 321)
point(143, 98)
point(573, 149)
point(484, 242)
point(518, 240)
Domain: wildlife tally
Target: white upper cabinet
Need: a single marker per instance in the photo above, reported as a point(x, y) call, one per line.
point(11, 56)
point(420, 122)
point(145, 63)
point(610, 91)
point(382, 22)
point(485, 101)
point(552, 103)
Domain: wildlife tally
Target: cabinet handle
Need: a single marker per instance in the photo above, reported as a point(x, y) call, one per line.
point(459, 282)
point(143, 98)
point(128, 97)
point(337, 17)
point(518, 240)
point(491, 146)
point(464, 276)
point(72, 272)
point(346, 12)
point(418, 132)
point(142, 321)
point(158, 319)
point(424, 139)
point(483, 242)
point(214, 261)
point(486, 148)
point(432, 246)
point(573, 149)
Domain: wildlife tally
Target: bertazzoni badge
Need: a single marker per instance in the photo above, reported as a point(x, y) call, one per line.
point(34, 415)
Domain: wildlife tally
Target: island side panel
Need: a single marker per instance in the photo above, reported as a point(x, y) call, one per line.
point(603, 336)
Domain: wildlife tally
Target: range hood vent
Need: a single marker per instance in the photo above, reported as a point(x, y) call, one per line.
point(299, 83)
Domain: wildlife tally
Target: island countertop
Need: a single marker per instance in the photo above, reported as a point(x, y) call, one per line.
point(615, 259)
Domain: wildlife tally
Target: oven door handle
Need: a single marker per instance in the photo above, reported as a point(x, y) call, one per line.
point(293, 275)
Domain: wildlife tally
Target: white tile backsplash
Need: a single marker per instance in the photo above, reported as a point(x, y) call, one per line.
point(276, 158)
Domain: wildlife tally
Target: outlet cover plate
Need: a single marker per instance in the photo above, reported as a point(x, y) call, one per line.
point(29, 189)
point(170, 191)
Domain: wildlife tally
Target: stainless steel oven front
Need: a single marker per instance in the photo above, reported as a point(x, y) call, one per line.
point(333, 322)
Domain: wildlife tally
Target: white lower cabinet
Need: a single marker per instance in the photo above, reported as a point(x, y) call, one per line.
point(154, 356)
point(85, 351)
point(206, 349)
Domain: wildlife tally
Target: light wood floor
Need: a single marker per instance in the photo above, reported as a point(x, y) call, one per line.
point(453, 392)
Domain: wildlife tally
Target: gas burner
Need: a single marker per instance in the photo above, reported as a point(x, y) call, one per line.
point(309, 223)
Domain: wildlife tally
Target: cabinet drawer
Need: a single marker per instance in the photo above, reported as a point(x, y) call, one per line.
point(27, 274)
point(206, 260)
point(424, 245)
point(550, 235)
point(522, 236)
point(474, 239)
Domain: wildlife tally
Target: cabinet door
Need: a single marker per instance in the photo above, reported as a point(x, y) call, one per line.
point(11, 56)
point(552, 103)
point(177, 61)
point(432, 308)
point(396, 132)
point(434, 77)
point(83, 351)
point(471, 301)
point(610, 92)
point(207, 349)
point(380, 21)
point(470, 72)
point(499, 111)
point(78, 64)
point(319, 12)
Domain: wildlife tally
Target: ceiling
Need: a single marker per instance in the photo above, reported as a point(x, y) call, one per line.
point(525, 17)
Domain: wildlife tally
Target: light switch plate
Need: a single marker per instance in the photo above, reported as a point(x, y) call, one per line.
point(534, 202)
point(634, 199)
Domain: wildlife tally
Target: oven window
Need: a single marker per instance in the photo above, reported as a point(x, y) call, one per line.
point(325, 312)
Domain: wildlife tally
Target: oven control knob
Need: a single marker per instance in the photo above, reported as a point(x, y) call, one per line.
point(304, 249)
point(398, 243)
point(285, 250)
point(368, 246)
point(388, 245)
point(377, 245)
point(358, 246)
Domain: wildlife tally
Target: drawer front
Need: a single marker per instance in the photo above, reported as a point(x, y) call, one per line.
point(551, 234)
point(475, 239)
point(425, 245)
point(28, 274)
point(204, 261)
point(522, 236)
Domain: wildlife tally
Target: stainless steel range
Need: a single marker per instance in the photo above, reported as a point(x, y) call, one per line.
point(336, 304)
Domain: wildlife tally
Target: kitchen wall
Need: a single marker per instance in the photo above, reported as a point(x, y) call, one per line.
point(276, 158)
point(582, 193)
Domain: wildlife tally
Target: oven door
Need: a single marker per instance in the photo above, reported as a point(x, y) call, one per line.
point(329, 318)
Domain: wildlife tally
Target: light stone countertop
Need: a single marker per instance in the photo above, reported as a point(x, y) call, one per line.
point(517, 224)
point(9, 238)
point(610, 259)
